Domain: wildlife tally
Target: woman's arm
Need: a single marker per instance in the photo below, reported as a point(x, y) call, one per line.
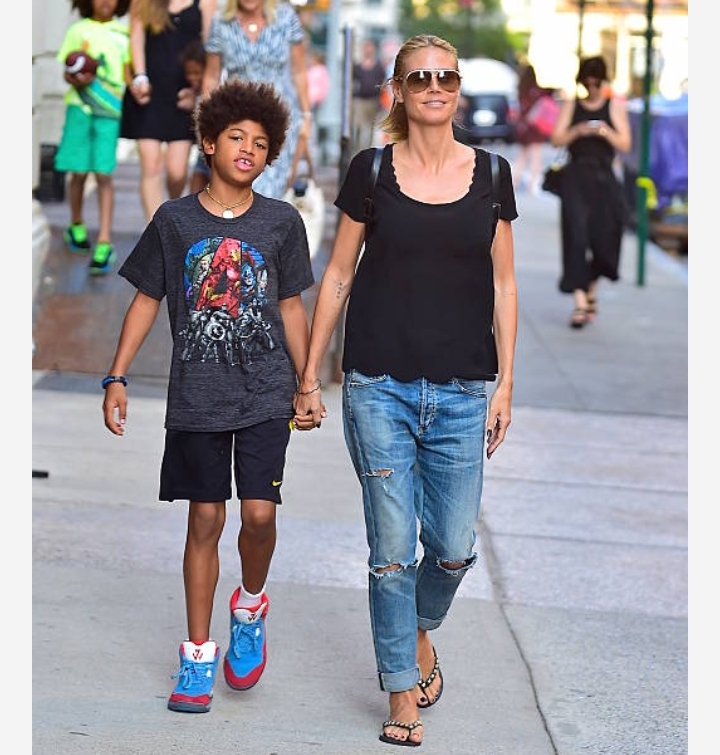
point(334, 291)
point(505, 330)
point(298, 61)
point(211, 75)
point(140, 86)
point(297, 335)
point(207, 11)
point(620, 134)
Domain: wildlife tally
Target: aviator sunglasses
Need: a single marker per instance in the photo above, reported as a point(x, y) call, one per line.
point(419, 80)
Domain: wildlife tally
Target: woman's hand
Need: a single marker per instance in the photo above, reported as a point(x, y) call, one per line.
point(141, 90)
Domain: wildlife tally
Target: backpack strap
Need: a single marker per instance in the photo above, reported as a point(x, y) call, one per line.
point(374, 170)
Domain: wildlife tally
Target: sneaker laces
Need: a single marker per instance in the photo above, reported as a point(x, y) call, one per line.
point(247, 638)
point(191, 672)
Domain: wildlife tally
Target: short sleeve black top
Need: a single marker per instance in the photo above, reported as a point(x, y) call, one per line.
point(422, 301)
point(223, 280)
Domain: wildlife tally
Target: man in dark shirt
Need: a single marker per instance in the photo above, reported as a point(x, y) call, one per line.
point(368, 77)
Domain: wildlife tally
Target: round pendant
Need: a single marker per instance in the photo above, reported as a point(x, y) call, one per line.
point(228, 214)
point(252, 28)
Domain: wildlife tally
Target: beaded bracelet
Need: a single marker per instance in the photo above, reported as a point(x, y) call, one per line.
point(113, 379)
point(312, 390)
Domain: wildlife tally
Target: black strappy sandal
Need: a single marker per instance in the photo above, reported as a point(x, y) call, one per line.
point(424, 684)
point(401, 725)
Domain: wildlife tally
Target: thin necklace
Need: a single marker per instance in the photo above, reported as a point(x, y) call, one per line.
point(228, 213)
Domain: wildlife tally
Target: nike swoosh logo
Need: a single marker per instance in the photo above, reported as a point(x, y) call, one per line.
point(276, 483)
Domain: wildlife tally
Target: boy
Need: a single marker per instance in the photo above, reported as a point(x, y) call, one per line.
point(92, 120)
point(232, 264)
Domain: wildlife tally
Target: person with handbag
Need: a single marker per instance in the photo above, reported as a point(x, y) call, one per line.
point(417, 360)
point(263, 40)
point(532, 132)
point(593, 128)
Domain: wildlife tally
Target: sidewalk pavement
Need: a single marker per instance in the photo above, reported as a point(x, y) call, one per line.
point(569, 638)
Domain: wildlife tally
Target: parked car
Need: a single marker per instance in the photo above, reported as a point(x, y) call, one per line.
point(488, 108)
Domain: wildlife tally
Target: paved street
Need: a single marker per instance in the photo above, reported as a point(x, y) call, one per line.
point(570, 636)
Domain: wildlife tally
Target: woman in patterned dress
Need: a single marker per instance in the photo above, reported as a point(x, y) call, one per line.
point(263, 40)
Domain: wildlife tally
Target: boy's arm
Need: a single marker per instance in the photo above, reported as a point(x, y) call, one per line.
point(139, 318)
point(297, 335)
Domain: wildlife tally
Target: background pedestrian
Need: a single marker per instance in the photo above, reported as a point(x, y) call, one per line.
point(368, 76)
point(162, 130)
point(263, 40)
point(92, 119)
point(594, 127)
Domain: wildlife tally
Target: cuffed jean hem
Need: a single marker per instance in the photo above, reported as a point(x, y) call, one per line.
point(400, 681)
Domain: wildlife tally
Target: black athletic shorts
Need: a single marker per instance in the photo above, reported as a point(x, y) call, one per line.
point(198, 466)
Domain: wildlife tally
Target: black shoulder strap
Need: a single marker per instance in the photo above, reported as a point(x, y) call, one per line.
point(495, 178)
point(494, 171)
point(377, 158)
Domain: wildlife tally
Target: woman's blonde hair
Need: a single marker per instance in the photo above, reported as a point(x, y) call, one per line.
point(395, 123)
point(232, 7)
point(154, 14)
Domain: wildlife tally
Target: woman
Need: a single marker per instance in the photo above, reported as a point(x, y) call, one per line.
point(529, 138)
point(432, 316)
point(264, 41)
point(593, 208)
point(164, 132)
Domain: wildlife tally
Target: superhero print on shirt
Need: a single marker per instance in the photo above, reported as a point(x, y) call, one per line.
point(225, 292)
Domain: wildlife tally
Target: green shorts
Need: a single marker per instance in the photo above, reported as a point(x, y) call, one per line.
point(88, 143)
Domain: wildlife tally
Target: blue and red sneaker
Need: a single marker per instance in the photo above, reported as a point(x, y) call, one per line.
point(247, 652)
point(198, 666)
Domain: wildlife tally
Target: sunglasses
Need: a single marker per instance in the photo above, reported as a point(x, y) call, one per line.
point(417, 81)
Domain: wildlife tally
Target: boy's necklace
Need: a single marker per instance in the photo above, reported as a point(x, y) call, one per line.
point(228, 213)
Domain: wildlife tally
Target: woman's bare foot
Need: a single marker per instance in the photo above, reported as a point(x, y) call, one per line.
point(403, 710)
point(426, 660)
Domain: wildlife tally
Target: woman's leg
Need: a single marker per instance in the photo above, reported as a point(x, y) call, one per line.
point(177, 156)
point(151, 176)
point(201, 565)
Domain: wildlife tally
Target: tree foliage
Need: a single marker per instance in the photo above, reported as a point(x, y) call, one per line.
point(477, 28)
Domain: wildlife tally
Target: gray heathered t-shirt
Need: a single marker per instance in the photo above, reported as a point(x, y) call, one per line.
point(223, 279)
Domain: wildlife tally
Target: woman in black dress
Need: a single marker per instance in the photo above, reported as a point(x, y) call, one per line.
point(159, 31)
point(593, 208)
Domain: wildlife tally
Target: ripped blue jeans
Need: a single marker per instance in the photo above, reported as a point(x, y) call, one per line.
point(418, 451)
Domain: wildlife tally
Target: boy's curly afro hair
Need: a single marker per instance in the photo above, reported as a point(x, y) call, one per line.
point(236, 101)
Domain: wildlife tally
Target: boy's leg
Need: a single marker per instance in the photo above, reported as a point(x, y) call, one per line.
point(259, 466)
point(196, 467)
point(201, 565)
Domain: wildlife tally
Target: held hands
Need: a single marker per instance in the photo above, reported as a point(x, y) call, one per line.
point(141, 89)
point(309, 407)
point(186, 98)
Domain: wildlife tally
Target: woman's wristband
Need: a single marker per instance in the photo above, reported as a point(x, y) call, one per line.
point(113, 379)
point(140, 78)
point(312, 390)
point(307, 113)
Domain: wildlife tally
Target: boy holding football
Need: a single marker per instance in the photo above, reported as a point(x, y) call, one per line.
point(96, 54)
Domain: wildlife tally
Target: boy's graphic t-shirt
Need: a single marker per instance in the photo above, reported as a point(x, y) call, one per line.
point(223, 280)
point(109, 44)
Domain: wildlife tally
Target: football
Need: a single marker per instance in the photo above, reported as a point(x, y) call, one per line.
point(79, 61)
